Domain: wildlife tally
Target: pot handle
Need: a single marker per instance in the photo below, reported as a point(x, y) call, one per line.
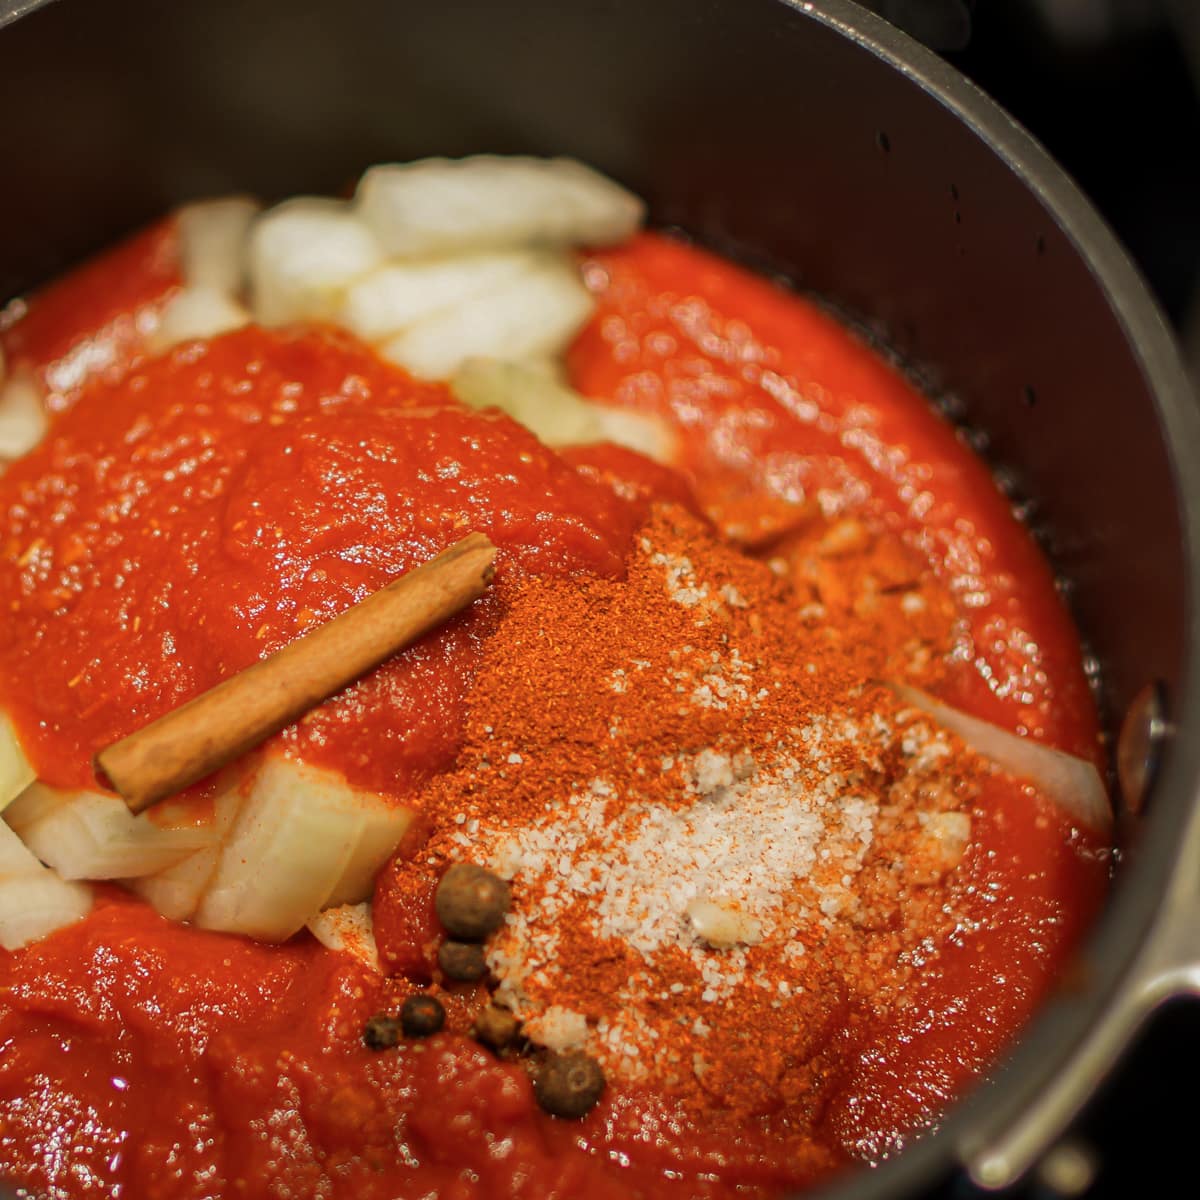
point(1167, 967)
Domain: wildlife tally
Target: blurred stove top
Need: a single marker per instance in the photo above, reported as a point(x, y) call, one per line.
point(1112, 89)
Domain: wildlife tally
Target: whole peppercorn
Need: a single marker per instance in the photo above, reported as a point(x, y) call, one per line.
point(568, 1085)
point(496, 1027)
point(422, 1016)
point(381, 1032)
point(471, 902)
point(463, 962)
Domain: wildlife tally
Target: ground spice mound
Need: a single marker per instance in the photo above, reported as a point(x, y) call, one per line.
point(723, 834)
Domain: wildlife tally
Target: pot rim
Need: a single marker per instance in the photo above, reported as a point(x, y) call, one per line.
point(10, 10)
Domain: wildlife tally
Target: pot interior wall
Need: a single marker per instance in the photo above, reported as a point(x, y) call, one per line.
point(749, 124)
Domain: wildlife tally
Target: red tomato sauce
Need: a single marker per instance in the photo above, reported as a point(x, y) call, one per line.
point(292, 475)
point(190, 514)
point(775, 399)
point(94, 322)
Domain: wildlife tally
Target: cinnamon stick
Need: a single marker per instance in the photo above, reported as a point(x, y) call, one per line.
point(216, 727)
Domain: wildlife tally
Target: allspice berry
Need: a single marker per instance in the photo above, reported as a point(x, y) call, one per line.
point(471, 901)
point(496, 1027)
point(568, 1085)
point(422, 1016)
point(381, 1032)
point(464, 962)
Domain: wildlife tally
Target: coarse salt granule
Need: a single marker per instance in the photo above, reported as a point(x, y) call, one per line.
point(755, 855)
point(557, 1028)
point(745, 846)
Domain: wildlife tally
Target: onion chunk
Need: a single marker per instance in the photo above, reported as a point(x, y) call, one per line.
point(90, 835)
point(34, 901)
point(16, 771)
point(23, 421)
point(212, 242)
point(197, 312)
point(558, 415)
point(348, 929)
point(304, 254)
point(400, 294)
point(1071, 783)
point(440, 206)
point(302, 839)
point(534, 314)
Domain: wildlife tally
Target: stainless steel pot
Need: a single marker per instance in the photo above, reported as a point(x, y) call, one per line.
point(809, 138)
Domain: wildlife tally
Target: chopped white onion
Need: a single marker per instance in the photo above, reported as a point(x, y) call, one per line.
point(442, 206)
point(90, 835)
point(175, 892)
point(297, 834)
point(212, 242)
point(15, 857)
point(558, 415)
point(637, 431)
point(383, 827)
point(16, 771)
point(401, 294)
point(533, 315)
point(348, 929)
point(722, 925)
point(304, 254)
point(34, 906)
point(34, 901)
point(197, 312)
point(1069, 782)
point(23, 420)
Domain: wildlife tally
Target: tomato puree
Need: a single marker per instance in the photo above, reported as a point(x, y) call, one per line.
point(777, 400)
point(95, 321)
point(191, 513)
point(215, 504)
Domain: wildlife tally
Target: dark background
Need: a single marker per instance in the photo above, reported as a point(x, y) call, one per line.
point(1112, 89)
